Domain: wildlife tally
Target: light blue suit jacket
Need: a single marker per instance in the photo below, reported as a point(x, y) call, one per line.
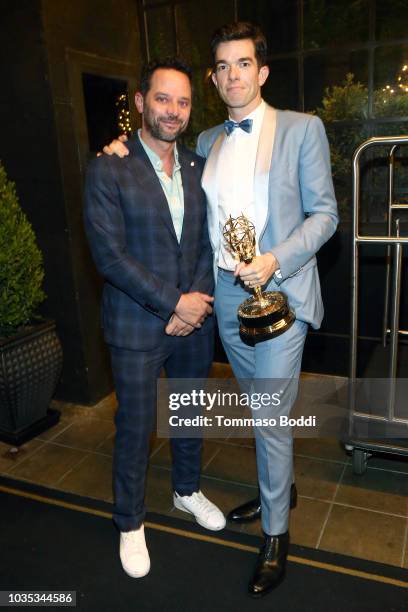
point(294, 201)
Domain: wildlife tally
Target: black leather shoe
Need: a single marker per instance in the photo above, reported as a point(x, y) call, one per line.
point(252, 510)
point(270, 566)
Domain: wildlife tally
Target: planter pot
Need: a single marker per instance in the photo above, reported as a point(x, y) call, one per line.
point(30, 366)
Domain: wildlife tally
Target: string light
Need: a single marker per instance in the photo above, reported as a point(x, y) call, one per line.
point(403, 78)
point(123, 114)
point(401, 82)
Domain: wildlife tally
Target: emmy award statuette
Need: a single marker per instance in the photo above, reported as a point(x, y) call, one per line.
point(266, 314)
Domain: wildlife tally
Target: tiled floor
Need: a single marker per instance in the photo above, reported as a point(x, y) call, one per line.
point(364, 516)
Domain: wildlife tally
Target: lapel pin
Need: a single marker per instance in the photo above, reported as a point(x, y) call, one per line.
point(192, 164)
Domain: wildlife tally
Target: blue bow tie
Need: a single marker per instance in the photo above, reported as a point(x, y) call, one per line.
point(245, 124)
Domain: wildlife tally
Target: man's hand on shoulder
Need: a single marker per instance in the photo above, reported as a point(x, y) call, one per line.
point(259, 271)
point(194, 307)
point(116, 147)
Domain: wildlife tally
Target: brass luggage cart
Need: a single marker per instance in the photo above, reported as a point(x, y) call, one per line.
point(389, 419)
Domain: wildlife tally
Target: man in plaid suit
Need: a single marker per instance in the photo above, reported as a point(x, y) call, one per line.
point(145, 217)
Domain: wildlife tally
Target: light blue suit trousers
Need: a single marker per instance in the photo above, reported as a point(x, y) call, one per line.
point(275, 364)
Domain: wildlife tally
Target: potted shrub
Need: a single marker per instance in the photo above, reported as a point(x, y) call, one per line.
point(30, 351)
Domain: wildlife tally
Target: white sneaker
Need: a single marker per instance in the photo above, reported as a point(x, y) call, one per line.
point(133, 553)
point(206, 513)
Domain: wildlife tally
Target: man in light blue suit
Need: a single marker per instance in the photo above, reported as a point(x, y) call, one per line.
point(273, 166)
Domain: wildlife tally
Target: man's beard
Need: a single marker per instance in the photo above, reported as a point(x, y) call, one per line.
point(157, 130)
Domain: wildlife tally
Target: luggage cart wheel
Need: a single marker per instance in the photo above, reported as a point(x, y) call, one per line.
point(360, 458)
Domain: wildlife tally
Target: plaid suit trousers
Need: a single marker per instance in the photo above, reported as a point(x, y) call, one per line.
point(135, 374)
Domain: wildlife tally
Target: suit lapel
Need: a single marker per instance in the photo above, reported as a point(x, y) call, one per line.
point(263, 163)
point(188, 169)
point(209, 182)
point(141, 168)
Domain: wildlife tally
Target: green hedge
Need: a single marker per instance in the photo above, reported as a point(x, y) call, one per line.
point(21, 265)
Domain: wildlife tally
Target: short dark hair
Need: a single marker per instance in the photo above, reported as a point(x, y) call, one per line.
point(169, 63)
point(239, 30)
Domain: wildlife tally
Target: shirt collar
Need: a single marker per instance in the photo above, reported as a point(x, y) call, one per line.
point(258, 112)
point(154, 158)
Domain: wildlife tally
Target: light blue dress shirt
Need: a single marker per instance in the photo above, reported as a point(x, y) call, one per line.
point(171, 185)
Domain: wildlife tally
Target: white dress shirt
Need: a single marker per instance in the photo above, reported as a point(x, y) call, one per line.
point(235, 179)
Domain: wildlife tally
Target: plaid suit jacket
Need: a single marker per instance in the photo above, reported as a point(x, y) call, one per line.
point(135, 248)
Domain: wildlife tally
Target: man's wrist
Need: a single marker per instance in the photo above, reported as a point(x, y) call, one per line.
point(277, 270)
